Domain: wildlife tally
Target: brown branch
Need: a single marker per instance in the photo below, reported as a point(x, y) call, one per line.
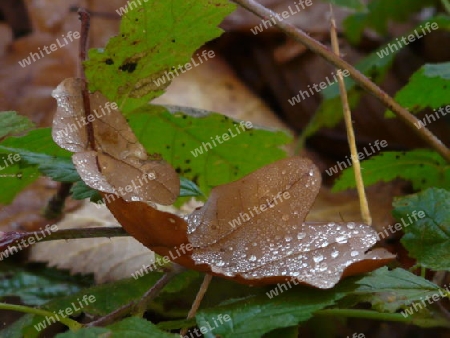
point(318, 48)
point(85, 24)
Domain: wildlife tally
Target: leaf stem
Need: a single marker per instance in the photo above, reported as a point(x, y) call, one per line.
point(318, 48)
point(198, 298)
point(70, 323)
point(85, 24)
point(55, 206)
point(446, 5)
point(364, 206)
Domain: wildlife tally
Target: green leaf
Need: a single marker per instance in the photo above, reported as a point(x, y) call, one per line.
point(389, 291)
point(158, 37)
point(125, 291)
point(54, 162)
point(129, 327)
point(354, 4)
point(36, 285)
point(189, 188)
point(13, 179)
point(254, 316)
point(80, 191)
point(428, 238)
point(181, 135)
point(11, 123)
point(416, 95)
point(379, 13)
point(34, 145)
point(424, 168)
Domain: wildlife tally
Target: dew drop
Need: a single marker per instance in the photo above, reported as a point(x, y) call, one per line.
point(301, 235)
point(323, 267)
point(324, 244)
point(318, 258)
point(334, 254)
point(351, 225)
point(230, 248)
point(341, 239)
point(354, 253)
point(295, 274)
point(285, 217)
point(220, 263)
point(288, 238)
point(252, 258)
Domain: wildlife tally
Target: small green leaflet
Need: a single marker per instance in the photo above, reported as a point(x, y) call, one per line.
point(11, 123)
point(36, 284)
point(158, 37)
point(427, 239)
point(389, 291)
point(424, 168)
point(416, 95)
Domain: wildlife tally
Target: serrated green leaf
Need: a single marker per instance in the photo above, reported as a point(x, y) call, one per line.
point(389, 291)
point(379, 13)
point(424, 168)
point(156, 38)
point(189, 188)
point(254, 316)
point(180, 136)
point(129, 327)
point(353, 4)
point(60, 169)
point(416, 95)
point(124, 292)
point(80, 191)
point(11, 123)
point(428, 238)
point(36, 285)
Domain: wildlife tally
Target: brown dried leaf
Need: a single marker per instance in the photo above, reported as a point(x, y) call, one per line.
point(119, 160)
point(271, 241)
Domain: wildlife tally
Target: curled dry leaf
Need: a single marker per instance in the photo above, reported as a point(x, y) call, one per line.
point(119, 159)
point(109, 259)
point(251, 230)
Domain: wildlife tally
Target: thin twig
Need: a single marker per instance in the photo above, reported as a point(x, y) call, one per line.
point(138, 308)
point(85, 24)
point(318, 48)
point(364, 206)
point(198, 299)
point(25, 238)
point(55, 206)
